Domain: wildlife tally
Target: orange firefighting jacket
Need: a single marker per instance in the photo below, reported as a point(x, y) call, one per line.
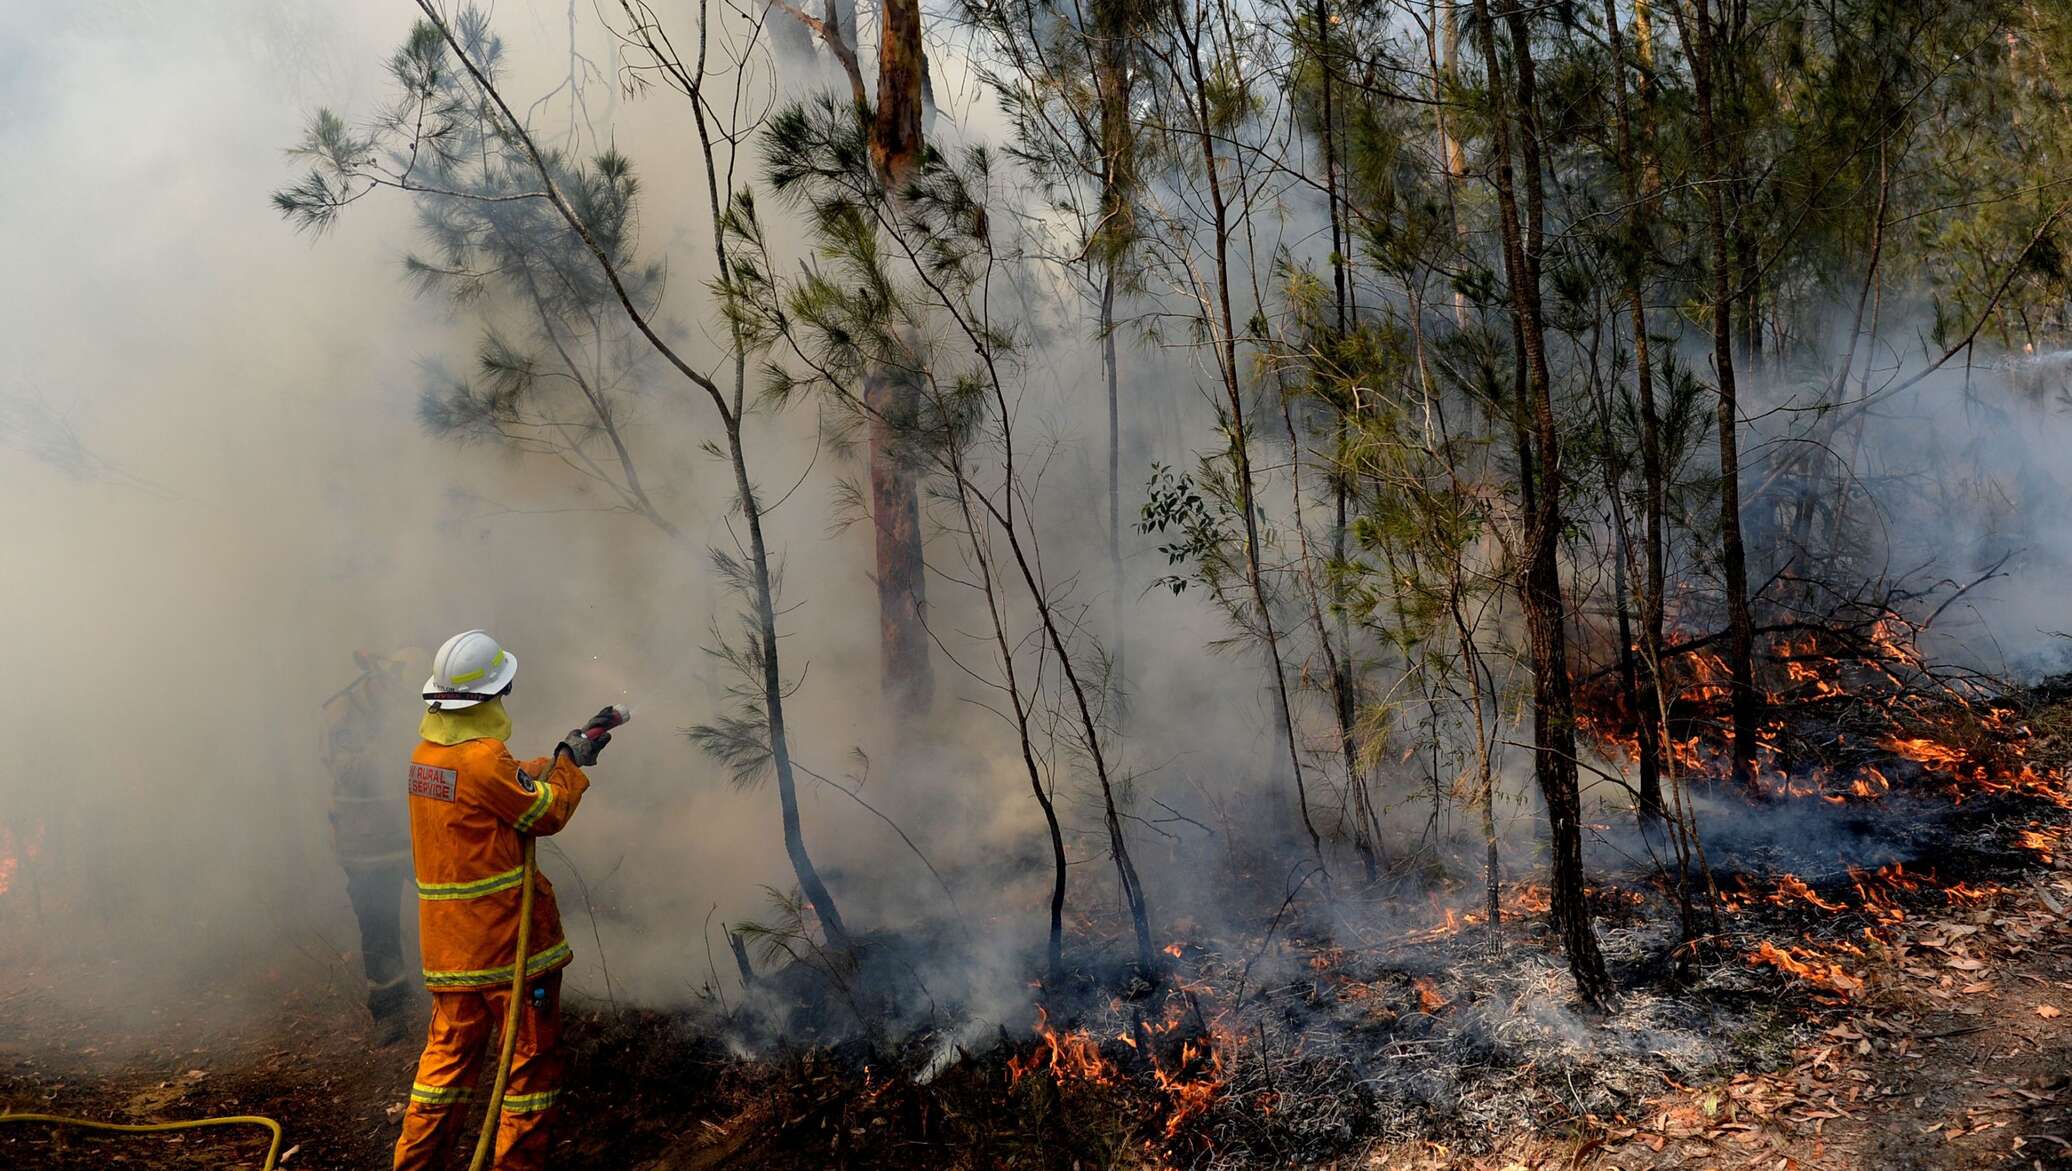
point(468, 804)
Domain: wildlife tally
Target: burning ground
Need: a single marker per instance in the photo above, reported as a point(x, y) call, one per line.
point(1879, 982)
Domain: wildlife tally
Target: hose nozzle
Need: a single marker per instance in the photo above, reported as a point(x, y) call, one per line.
point(607, 719)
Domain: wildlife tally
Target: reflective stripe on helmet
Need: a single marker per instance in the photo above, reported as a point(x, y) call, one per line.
point(470, 668)
point(479, 672)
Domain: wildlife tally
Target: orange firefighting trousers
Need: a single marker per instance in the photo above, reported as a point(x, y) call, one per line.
point(462, 1026)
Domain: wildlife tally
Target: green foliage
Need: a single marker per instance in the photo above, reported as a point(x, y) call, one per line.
point(558, 363)
point(892, 291)
point(1202, 527)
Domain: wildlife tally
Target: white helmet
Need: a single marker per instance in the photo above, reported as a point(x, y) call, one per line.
point(470, 668)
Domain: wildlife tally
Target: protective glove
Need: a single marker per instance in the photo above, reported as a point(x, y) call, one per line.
point(583, 750)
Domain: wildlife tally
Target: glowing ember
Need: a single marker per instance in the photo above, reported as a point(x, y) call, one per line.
point(1429, 1000)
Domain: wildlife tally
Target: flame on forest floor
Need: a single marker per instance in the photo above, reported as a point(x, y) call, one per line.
point(2043, 843)
point(1822, 963)
point(1809, 965)
point(1790, 890)
point(1070, 1055)
point(1836, 698)
point(1876, 892)
point(1429, 1000)
point(1518, 902)
point(1190, 1078)
point(1521, 900)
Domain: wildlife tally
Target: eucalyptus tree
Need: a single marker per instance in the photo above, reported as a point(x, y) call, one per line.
point(895, 120)
point(906, 282)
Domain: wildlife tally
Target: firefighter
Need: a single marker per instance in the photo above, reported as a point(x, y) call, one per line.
point(469, 803)
point(370, 826)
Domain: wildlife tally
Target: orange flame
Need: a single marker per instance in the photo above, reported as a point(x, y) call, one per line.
point(1066, 1056)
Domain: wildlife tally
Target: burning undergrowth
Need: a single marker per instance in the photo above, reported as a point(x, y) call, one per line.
point(1332, 1021)
point(1299, 1044)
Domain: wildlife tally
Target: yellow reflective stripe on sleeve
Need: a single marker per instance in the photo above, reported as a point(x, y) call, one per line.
point(537, 809)
point(439, 1095)
point(472, 889)
point(529, 1103)
point(554, 956)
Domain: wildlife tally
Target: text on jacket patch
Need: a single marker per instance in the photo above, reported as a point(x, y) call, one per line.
point(436, 783)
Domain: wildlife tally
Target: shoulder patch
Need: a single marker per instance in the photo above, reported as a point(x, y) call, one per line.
point(438, 784)
point(526, 782)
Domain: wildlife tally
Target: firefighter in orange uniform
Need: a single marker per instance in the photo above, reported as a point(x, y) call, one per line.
point(469, 803)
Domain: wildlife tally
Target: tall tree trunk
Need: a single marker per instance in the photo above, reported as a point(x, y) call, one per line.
point(1340, 671)
point(1118, 643)
point(1240, 447)
point(1339, 245)
point(1648, 685)
point(815, 890)
point(1112, 237)
point(1340, 661)
point(1700, 33)
point(893, 395)
point(1445, 73)
point(1554, 748)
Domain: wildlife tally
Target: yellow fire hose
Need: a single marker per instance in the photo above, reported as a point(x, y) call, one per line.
point(273, 1150)
point(511, 1012)
point(483, 1144)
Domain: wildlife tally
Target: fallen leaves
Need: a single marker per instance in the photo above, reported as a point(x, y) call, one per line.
point(1885, 1060)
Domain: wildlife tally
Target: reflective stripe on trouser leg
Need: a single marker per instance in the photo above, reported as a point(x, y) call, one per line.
point(530, 1096)
point(445, 1080)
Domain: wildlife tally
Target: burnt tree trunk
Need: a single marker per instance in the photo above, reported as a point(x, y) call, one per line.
point(1554, 747)
point(1700, 33)
point(1647, 687)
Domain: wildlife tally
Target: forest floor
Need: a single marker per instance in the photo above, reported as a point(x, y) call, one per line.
point(1897, 1022)
point(1957, 1053)
point(1950, 1047)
